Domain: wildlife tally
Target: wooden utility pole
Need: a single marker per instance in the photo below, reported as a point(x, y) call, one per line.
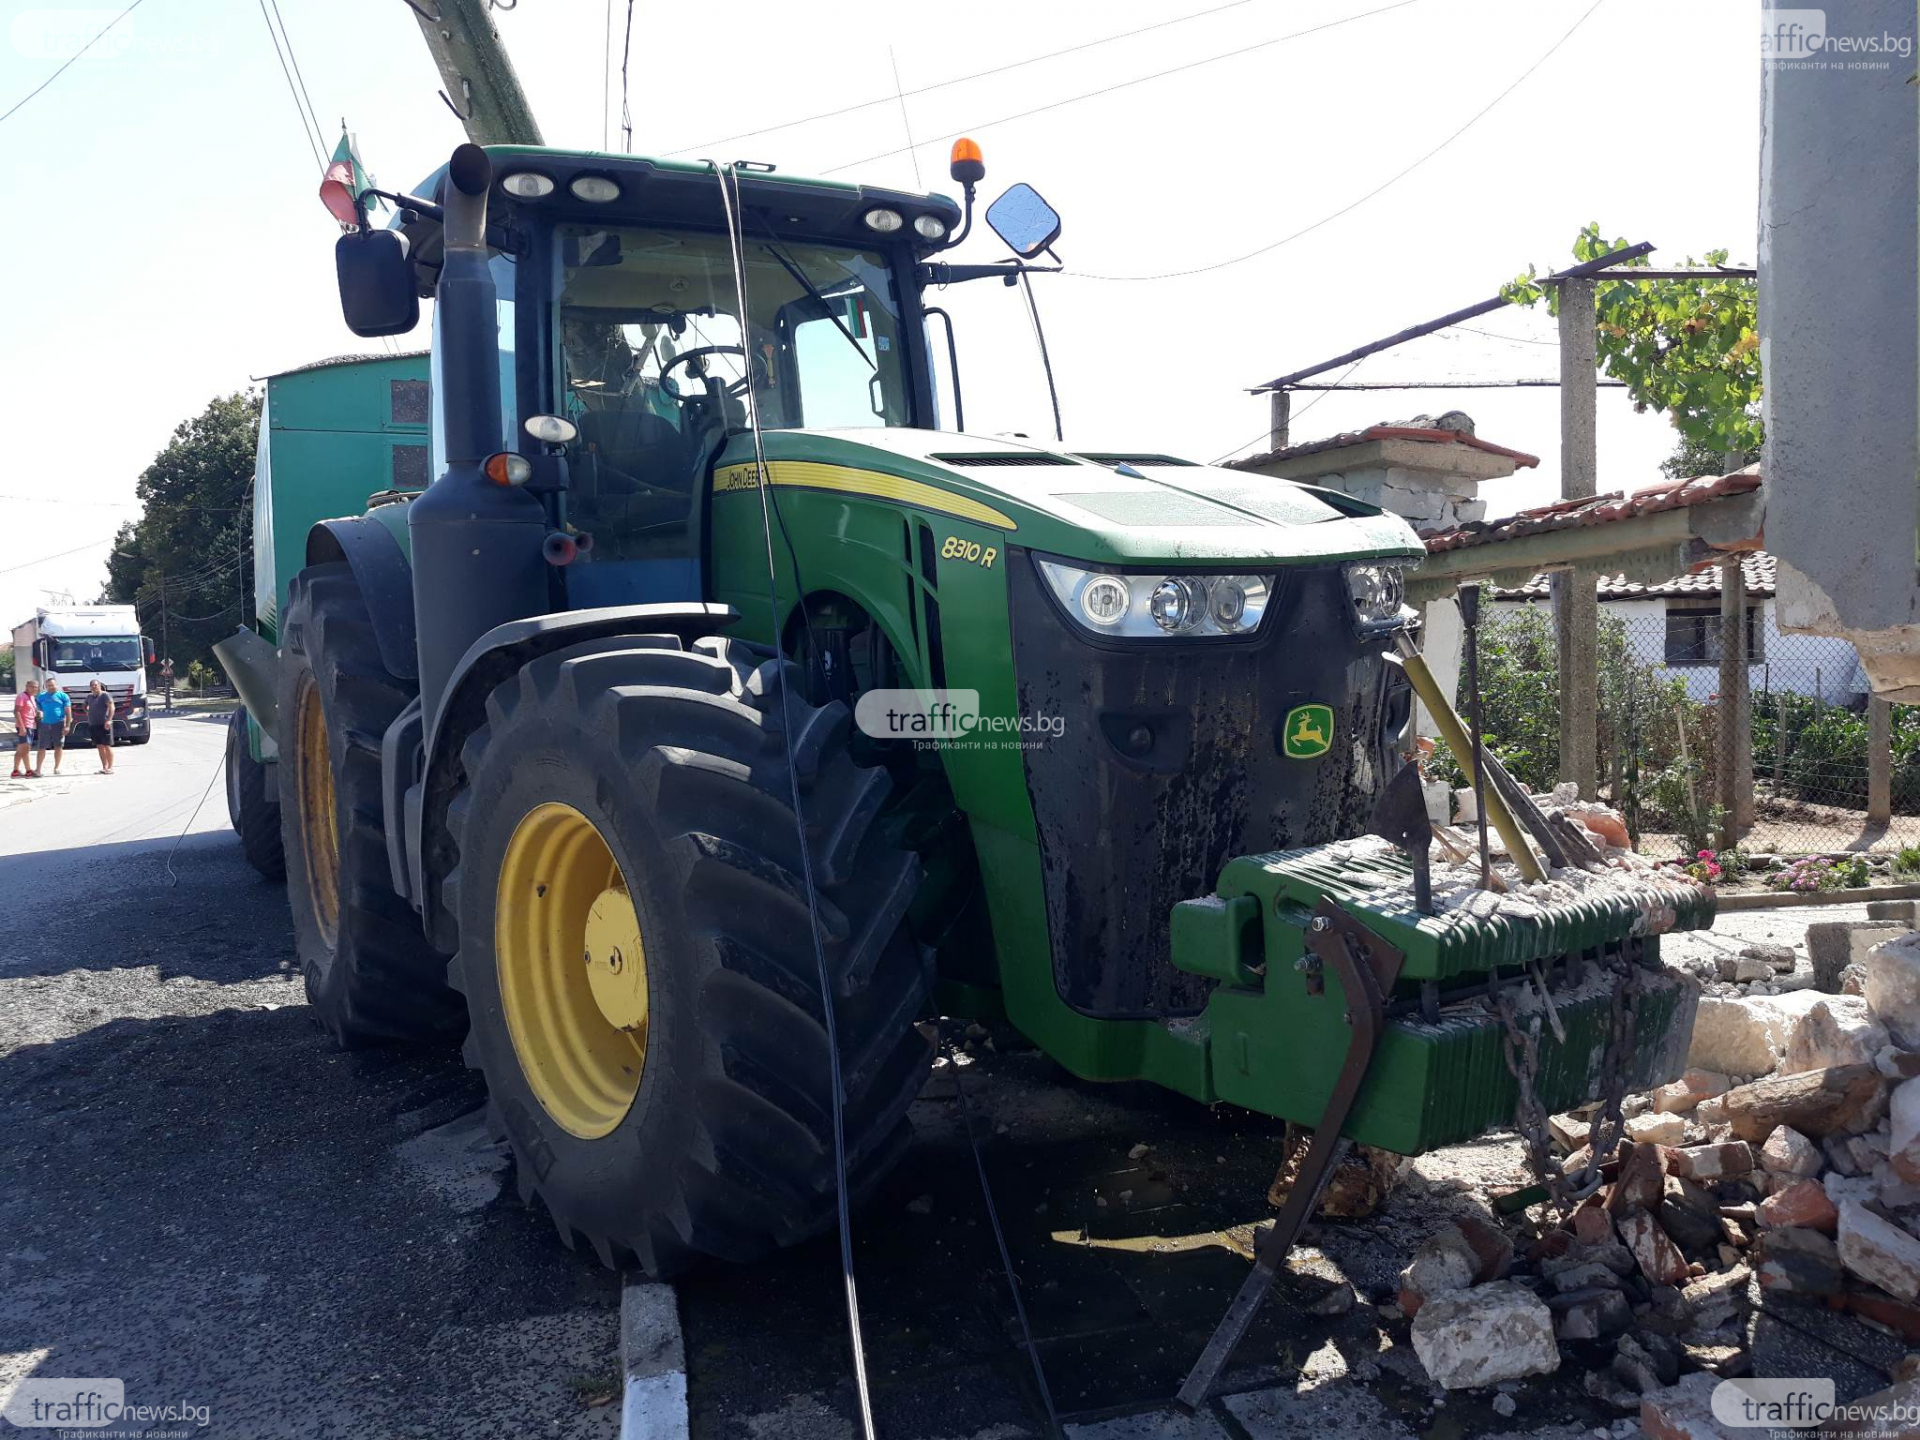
point(478, 78)
point(1576, 608)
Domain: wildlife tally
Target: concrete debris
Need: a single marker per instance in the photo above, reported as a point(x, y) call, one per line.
point(1647, 1362)
point(1590, 1314)
point(1504, 1405)
point(1798, 1262)
point(1494, 1332)
point(1903, 1110)
point(1835, 946)
point(1841, 1100)
point(1893, 987)
point(1570, 1130)
point(1690, 1214)
point(1468, 1251)
point(1803, 1204)
point(1653, 1250)
point(1781, 958)
point(1684, 1411)
point(1657, 1129)
point(1878, 1251)
point(1837, 1030)
point(1138, 1152)
point(1723, 1161)
point(1641, 1181)
point(1788, 1152)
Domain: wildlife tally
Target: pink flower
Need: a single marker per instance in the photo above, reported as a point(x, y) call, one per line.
point(1704, 855)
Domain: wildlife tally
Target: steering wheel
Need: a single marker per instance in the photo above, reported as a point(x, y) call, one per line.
point(732, 391)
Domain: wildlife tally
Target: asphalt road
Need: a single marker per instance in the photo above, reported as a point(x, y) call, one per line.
point(200, 1195)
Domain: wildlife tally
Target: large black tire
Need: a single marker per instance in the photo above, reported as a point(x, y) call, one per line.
point(371, 976)
point(253, 812)
point(676, 756)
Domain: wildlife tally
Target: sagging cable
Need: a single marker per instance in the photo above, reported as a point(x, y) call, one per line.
point(729, 182)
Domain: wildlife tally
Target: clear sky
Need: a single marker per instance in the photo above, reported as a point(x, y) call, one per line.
point(167, 243)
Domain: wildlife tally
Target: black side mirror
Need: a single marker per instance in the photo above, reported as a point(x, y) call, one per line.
point(376, 283)
point(1026, 222)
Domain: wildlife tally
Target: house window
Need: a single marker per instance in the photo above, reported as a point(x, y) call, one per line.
point(1693, 635)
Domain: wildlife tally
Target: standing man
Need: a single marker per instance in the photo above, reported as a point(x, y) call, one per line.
point(100, 722)
point(56, 714)
point(25, 713)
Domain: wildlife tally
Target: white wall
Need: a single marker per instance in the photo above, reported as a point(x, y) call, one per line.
point(1790, 662)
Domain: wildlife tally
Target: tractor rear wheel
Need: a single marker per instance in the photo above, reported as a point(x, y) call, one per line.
point(371, 976)
point(635, 950)
point(255, 816)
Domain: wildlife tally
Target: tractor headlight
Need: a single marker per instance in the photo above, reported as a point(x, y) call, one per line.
point(1379, 592)
point(1142, 606)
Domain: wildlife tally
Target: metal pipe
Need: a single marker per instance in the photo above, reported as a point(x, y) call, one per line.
point(1447, 721)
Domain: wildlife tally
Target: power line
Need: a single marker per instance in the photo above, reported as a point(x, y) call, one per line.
point(1268, 431)
point(312, 144)
point(1510, 339)
point(958, 79)
point(69, 60)
point(626, 114)
point(29, 564)
point(287, 35)
point(1384, 185)
point(1126, 84)
point(606, 77)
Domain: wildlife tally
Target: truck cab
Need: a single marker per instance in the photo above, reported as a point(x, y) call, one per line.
point(78, 644)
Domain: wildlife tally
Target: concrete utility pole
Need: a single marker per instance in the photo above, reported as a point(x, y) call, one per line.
point(478, 78)
point(1576, 606)
point(1734, 757)
point(1279, 415)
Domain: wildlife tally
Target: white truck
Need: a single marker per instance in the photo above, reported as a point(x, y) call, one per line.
point(77, 644)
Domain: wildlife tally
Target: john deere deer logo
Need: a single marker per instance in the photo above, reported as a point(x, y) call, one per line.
point(1308, 731)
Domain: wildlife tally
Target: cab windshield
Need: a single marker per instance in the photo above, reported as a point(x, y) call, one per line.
point(80, 654)
point(656, 360)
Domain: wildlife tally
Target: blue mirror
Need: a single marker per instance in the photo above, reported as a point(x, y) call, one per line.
point(1025, 221)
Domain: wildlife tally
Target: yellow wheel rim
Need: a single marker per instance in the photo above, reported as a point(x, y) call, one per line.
point(572, 970)
point(319, 832)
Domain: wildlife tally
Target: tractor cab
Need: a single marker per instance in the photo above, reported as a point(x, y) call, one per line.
point(620, 312)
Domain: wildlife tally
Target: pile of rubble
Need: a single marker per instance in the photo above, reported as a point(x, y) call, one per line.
point(1787, 1156)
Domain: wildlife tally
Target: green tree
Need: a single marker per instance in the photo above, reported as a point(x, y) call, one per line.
point(1688, 348)
point(1691, 458)
point(190, 554)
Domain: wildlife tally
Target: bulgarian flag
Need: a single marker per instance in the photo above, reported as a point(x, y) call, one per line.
point(346, 177)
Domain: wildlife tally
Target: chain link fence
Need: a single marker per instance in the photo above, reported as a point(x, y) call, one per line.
point(1661, 717)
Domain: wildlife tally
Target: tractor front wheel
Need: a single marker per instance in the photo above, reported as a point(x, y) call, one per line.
point(371, 976)
point(636, 956)
point(255, 816)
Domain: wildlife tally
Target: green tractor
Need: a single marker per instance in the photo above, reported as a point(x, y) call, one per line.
point(566, 751)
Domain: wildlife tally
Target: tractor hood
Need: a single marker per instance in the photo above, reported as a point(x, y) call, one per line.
point(1108, 506)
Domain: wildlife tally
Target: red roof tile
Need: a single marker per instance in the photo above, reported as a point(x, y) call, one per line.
point(1757, 568)
point(1595, 510)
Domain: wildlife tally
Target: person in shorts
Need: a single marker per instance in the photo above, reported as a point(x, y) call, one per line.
point(56, 714)
point(25, 715)
point(100, 723)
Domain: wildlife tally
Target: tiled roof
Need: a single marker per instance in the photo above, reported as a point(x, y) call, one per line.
point(1430, 434)
point(1596, 510)
point(1757, 568)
